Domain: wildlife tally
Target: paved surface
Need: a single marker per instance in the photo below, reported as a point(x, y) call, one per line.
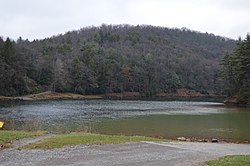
point(142, 153)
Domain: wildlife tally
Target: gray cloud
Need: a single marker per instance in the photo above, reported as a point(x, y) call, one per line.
point(43, 18)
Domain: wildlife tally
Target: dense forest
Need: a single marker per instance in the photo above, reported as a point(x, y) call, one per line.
point(114, 59)
point(236, 72)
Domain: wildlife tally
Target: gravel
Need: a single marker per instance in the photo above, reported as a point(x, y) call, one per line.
point(142, 153)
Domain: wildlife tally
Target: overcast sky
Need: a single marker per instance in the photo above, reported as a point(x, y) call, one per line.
point(37, 19)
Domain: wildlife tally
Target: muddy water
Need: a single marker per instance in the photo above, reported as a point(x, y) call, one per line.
point(149, 118)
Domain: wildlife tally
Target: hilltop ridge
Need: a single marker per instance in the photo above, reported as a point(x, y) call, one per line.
point(114, 59)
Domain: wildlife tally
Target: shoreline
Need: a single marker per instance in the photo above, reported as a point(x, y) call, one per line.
point(233, 101)
point(48, 95)
point(182, 138)
point(171, 139)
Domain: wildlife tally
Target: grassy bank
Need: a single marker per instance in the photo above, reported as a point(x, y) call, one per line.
point(6, 137)
point(239, 160)
point(72, 139)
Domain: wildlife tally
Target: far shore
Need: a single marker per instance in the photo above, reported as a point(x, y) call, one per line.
point(49, 95)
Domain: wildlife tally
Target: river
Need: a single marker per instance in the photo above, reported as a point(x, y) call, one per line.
point(169, 119)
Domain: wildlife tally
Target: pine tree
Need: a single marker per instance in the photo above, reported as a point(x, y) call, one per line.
point(236, 71)
point(8, 52)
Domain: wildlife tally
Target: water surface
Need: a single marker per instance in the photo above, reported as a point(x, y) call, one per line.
point(168, 119)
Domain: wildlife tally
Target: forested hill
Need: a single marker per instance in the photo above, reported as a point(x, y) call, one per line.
point(114, 59)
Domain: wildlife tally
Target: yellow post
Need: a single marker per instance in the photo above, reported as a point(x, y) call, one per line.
point(1, 124)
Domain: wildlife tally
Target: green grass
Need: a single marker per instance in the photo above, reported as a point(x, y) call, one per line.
point(72, 139)
point(6, 137)
point(238, 160)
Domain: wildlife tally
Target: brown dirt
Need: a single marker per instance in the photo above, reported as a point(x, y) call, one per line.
point(52, 95)
point(5, 98)
point(233, 101)
point(181, 93)
point(123, 95)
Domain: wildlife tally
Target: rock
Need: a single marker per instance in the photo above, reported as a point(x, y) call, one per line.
point(8, 141)
point(202, 140)
point(214, 140)
point(181, 139)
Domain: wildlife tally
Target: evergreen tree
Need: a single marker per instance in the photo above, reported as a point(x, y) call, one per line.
point(8, 52)
point(236, 70)
point(121, 58)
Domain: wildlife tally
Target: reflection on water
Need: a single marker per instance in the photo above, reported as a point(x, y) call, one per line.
point(151, 118)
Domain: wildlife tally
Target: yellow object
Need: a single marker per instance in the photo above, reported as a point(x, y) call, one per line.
point(1, 124)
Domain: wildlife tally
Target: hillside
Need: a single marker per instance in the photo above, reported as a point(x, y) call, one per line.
point(114, 59)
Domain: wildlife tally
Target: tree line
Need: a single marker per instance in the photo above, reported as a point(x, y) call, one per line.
point(236, 71)
point(114, 59)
